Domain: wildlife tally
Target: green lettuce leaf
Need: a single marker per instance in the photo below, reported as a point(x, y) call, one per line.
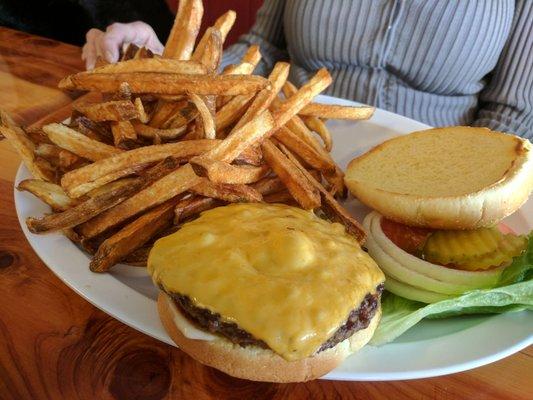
point(514, 293)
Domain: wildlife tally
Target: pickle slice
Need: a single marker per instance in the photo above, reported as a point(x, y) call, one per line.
point(454, 247)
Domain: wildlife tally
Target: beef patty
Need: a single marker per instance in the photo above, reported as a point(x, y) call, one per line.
point(358, 319)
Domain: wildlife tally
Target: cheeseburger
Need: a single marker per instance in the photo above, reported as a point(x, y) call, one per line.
point(266, 292)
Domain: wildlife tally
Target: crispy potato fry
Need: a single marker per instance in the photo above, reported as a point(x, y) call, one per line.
point(232, 110)
point(94, 130)
point(268, 185)
point(182, 116)
point(304, 150)
point(265, 97)
point(252, 55)
point(333, 210)
point(25, 148)
point(163, 134)
point(223, 172)
point(193, 206)
point(128, 52)
point(171, 185)
point(212, 52)
point(224, 23)
point(86, 210)
point(307, 196)
point(166, 83)
point(132, 236)
point(317, 125)
point(313, 123)
point(49, 193)
point(334, 178)
point(294, 104)
point(77, 143)
point(283, 196)
point(139, 257)
point(239, 69)
point(232, 193)
point(56, 155)
point(235, 143)
point(143, 52)
point(180, 42)
point(80, 181)
point(205, 115)
point(118, 110)
point(164, 111)
point(142, 116)
point(330, 111)
point(164, 65)
point(124, 135)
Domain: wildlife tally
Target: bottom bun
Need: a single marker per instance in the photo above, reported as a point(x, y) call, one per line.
point(258, 364)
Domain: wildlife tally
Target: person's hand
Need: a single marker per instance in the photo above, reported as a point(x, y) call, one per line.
point(107, 44)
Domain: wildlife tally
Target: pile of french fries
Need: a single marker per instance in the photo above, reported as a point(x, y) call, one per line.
point(157, 140)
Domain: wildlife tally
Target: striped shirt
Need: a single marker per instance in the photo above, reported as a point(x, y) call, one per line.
point(437, 61)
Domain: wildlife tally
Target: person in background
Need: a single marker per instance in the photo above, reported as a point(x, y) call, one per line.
point(69, 20)
point(437, 61)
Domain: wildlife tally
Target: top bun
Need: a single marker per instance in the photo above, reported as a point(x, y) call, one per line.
point(445, 178)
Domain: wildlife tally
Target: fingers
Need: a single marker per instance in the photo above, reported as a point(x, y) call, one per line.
point(107, 44)
point(90, 50)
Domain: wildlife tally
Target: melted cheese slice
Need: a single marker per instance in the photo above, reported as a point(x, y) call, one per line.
point(282, 274)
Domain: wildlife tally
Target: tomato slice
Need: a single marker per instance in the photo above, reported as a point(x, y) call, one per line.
point(407, 238)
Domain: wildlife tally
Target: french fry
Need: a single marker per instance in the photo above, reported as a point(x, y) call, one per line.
point(79, 144)
point(169, 186)
point(94, 130)
point(265, 97)
point(164, 111)
point(163, 65)
point(192, 206)
point(333, 210)
point(313, 123)
point(330, 111)
point(119, 110)
point(224, 23)
point(227, 192)
point(223, 172)
point(180, 42)
point(142, 116)
point(232, 110)
point(268, 185)
point(239, 69)
point(86, 210)
point(294, 104)
point(205, 115)
point(307, 196)
point(151, 133)
point(132, 236)
point(305, 151)
point(127, 52)
point(252, 55)
point(49, 193)
point(25, 148)
point(124, 135)
point(317, 125)
point(283, 196)
point(212, 52)
point(181, 117)
point(139, 257)
point(166, 83)
point(80, 181)
point(57, 156)
point(234, 144)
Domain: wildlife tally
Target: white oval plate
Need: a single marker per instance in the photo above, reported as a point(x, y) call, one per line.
point(431, 348)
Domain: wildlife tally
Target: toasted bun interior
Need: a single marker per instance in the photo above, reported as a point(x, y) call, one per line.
point(259, 364)
point(445, 178)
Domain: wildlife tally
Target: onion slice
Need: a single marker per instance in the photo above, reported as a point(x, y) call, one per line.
point(413, 293)
point(473, 280)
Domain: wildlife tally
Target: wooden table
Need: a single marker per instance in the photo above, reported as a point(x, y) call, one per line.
point(55, 345)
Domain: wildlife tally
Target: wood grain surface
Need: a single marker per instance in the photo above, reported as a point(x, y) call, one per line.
point(55, 345)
